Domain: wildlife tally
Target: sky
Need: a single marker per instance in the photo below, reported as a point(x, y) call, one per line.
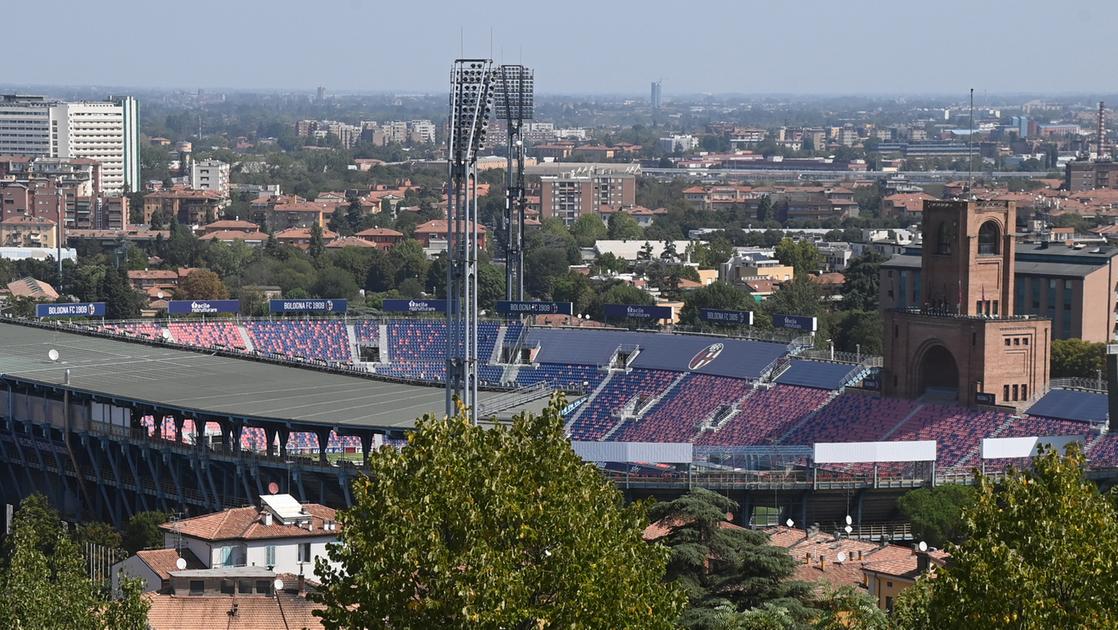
point(575, 46)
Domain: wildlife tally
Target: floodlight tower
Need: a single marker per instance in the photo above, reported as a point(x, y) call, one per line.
point(471, 98)
point(514, 103)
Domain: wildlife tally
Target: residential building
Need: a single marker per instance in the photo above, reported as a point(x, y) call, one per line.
point(742, 267)
point(188, 207)
point(421, 132)
point(297, 214)
point(433, 235)
point(28, 231)
point(210, 175)
point(105, 131)
point(677, 143)
point(239, 598)
point(571, 194)
point(383, 238)
point(301, 237)
point(281, 535)
point(1083, 175)
point(656, 99)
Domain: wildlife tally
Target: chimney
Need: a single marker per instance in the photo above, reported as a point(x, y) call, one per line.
point(822, 562)
point(302, 583)
point(807, 557)
point(267, 518)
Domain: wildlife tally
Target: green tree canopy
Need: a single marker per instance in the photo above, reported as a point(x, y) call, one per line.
point(1039, 553)
point(724, 568)
point(936, 513)
point(587, 229)
point(1077, 358)
point(503, 527)
point(201, 284)
point(142, 531)
point(803, 256)
point(860, 284)
point(623, 227)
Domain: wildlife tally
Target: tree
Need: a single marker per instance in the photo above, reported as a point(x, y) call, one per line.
point(501, 527)
point(334, 283)
point(587, 229)
point(317, 245)
point(798, 297)
point(201, 284)
point(574, 288)
point(142, 531)
point(847, 607)
point(623, 227)
point(97, 533)
point(618, 293)
point(408, 261)
point(43, 582)
point(802, 256)
point(121, 300)
point(912, 607)
point(1077, 358)
point(858, 331)
point(765, 209)
point(860, 282)
point(721, 567)
point(936, 513)
point(1039, 553)
point(717, 295)
point(541, 267)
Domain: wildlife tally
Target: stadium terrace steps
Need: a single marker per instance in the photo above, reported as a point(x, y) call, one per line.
point(586, 404)
point(495, 353)
point(900, 424)
point(246, 338)
point(351, 338)
point(509, 373)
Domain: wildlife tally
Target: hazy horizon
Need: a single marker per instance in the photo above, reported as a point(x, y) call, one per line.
point(722, 48)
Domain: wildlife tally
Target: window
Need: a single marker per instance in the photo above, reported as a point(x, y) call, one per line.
point(270, 556)
point(225, 556)
point(1016, 341)
point(197, 587)
point(1024, 392)
point(1007, 341)
point(1005, 392)
point(1025, 341)
point(988, 239)
point(304, 552)
point(1015, 392)
point(227, 587)
point(263, 587)
point(244, 587)
point(888, 604)
point(943, 240)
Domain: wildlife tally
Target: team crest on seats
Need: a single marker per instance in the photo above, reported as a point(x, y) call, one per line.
point(704, 357)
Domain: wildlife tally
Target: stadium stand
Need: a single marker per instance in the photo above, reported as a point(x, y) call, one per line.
point(765, 416)
point(323, 340)
point(623, 389)
point(818, 374)
point(207, 334)
point(851, 418)
point(1071, 404)
point(561, 376)
point(417, 341)
point(958, 431)
point(678, 416)
point(134, 329)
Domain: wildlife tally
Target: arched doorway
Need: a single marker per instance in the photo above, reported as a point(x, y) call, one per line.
point(939, 374)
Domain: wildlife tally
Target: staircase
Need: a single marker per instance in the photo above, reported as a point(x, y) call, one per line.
point(247, 338)
point(809, 417)
point(714, 422)
point(589, 401)
point(510, 373)
point(382, 334)
point(354, 352)
point(495, 356)
point(637, 414)
point(915, 410)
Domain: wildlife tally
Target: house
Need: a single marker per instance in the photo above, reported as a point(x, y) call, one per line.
point(433, 235)
point(28, 231)
point(383, 238)
point(144, 279)
point(349, 241)
point(302, 214)
point(229, 236)
point(281, 535)
point(906, 207)
point(301, 237)
point(230, 225)
point(188, 207)
point(894, 568)
point(154, 567)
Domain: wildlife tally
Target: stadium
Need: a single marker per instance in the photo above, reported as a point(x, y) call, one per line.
point(191, 414)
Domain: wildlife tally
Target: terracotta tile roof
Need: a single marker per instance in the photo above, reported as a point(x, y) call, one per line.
point(230, 224)
point(32, 288)
point(900, 561)
point(829, 278)
point(247, 523)
point(162, 561)
point(349, 241)
point(181, 193)
point(663, 527)
point(379, 231)
point(22, 219)
point(153, 274)
point(304, 206)
point(299, 233)
point(234, 235)
point(284, 611)
point(438, 226)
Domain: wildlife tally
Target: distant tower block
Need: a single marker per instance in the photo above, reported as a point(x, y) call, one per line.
point(1102, 150)
point(656, 99)
point(964, 342)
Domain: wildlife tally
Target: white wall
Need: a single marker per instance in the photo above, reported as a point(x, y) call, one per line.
point(134, 567)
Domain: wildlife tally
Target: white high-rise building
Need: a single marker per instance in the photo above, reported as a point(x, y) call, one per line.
point(210, 175)
point(106, 131)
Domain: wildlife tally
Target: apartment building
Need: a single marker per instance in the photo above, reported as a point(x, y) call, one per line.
point(210, 175)
point(571, 194)
point(105, 131)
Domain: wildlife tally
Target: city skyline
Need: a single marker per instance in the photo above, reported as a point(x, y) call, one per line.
point(823, 49)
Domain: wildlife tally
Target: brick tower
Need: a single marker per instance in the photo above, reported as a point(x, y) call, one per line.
point(964, 341)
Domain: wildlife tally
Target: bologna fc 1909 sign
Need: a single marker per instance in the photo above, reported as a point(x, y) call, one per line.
point(704, 357)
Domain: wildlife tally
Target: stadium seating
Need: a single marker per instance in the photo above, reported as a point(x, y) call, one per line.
point(851, 418)
point(134, 329)
point(207, 334)
point(561, 376)
point(677, 416)
point(598, 416)
point(958, 431)
point(322, 340)
point(765, 416)
point(417, 341)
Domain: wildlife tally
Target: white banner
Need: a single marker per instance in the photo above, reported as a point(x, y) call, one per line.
point(874, 452)
point(634, 452)
point(1009, 448)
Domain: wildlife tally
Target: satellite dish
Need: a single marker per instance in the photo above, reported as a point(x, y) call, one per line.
point(273, 488)
point(278, 584)
point(180, 563)
point(789, 522)
point(848, 529)
point(52, 354)
point(166, 334)
point(849, 520)
point(923, 546)
point(159, 294)
point(841, 557)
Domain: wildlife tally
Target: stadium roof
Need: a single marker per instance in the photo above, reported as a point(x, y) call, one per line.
point(217, 385)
